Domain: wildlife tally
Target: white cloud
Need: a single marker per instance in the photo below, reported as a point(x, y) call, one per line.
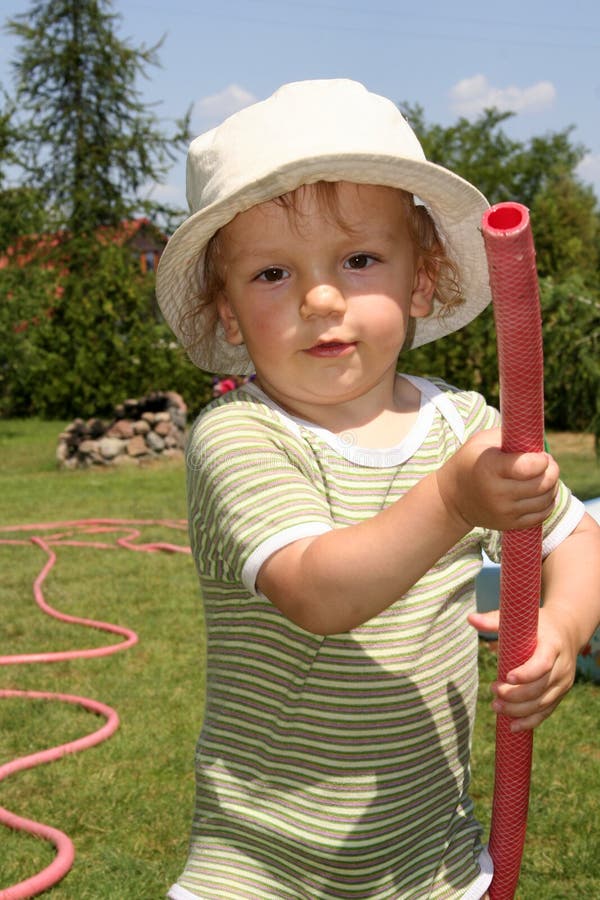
point(472, 95)
point(211, 110)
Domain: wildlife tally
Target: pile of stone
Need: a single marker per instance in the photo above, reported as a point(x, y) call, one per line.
point(153, 427)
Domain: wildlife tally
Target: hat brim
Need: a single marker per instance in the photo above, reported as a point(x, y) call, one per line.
point(455, 205)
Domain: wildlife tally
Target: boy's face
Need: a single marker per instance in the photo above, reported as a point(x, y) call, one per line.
point(323, 307)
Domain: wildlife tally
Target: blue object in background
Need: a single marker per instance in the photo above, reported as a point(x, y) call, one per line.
point(487, 588)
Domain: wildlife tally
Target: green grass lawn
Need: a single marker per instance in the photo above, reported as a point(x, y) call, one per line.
point(127, 803)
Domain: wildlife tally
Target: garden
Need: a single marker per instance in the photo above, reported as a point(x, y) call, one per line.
point(126, 803)
point(79, 242)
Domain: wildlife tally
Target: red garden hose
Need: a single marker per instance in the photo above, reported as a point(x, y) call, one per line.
point(68, 534)
point(513, 281)
point(63, 861)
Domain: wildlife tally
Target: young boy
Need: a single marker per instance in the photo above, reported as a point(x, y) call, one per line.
point(338, 509)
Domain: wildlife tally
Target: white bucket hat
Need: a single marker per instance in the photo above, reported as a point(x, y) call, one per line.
point(309, 131)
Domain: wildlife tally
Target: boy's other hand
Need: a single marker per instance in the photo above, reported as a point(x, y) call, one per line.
point(533, 690)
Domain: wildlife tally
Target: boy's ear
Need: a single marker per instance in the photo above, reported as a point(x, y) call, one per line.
point(423, 291)
point(229, 321)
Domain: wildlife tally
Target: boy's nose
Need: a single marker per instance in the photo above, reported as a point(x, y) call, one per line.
point(322, 300)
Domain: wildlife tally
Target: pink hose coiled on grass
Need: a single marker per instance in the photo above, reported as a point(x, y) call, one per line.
point(513, 281)
point(65, 534)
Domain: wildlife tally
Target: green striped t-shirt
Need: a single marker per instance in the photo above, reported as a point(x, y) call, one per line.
point(337, 766)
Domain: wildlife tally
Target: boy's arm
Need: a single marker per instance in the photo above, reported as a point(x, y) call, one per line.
point(336, 581)
point(568, 618)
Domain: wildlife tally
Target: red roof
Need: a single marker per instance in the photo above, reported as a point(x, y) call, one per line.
point(31, 247)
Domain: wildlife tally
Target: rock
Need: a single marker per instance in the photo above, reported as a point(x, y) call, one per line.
point(178, 417)
point(62, 452)
point(141, 427)
point(125, 460)
point(122, 428)
point(95, 428)
point(163, 428)
point(89, 446)
point(129, 409)
point(91, 455)
point(110, 447)
point(137, 446)
point(173, 454)
point(155, 442)
point(176, 400)
point(142, 430)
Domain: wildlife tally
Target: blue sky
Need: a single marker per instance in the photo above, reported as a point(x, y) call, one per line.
point(537, 58)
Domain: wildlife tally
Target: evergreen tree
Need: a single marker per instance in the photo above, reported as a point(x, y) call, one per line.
point(85, 332)
point(88, 142)
point(5, 141)
point(20, 208)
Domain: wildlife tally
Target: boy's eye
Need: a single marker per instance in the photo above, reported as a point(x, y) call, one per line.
point(272, 274)
point(359, 261)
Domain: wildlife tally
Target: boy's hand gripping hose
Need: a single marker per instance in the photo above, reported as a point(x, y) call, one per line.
point(513, 281)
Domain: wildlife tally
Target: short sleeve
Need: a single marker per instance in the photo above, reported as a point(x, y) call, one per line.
point(252, 489)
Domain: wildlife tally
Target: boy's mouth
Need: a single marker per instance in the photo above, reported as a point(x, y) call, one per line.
point(330, 349)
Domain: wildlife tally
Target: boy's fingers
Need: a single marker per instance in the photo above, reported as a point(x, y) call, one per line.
point(528, 713)
point(544, 662)
point(513, 696)
point(489, 621)
point(528, 723)
point(531, 679)
point(525, 466)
